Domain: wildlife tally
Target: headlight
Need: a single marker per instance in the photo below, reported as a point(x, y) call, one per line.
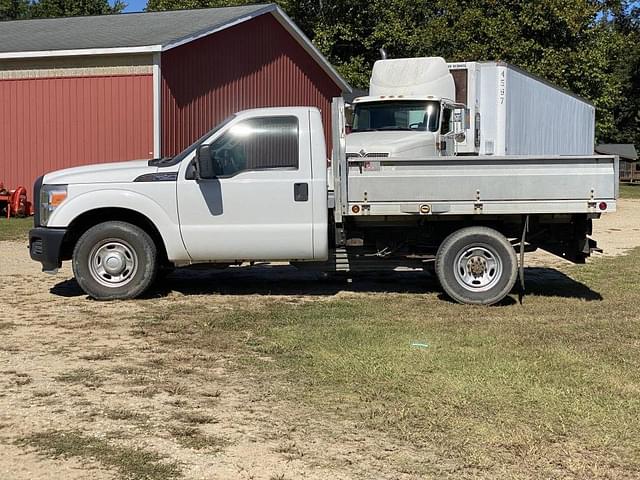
point(51, 196)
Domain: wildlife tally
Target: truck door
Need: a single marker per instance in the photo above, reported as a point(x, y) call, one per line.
point(448, 142)
point(259, 205)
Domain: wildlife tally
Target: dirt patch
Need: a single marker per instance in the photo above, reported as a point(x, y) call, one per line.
point(69, 365)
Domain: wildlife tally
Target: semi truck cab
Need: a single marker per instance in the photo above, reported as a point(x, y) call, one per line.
point(410, 111)
point(410, 127)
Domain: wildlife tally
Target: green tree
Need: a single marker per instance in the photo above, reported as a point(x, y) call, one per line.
point(71, 8)
point(14, 9)
point(624, 17)
point(154, 5)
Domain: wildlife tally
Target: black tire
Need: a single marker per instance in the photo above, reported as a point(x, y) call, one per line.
point(115, 261)
point(476, 265)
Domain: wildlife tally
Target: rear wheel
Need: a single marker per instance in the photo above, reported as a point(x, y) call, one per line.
point(476, 265)
point(115, 260)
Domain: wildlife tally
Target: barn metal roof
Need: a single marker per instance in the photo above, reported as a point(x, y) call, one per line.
point(136, 33)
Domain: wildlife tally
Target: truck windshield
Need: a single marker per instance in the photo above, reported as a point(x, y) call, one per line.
point(182, 155)
point(396, 115)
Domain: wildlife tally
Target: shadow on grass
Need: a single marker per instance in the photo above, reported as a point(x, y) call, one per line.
point(287, 280)
point(548, 282)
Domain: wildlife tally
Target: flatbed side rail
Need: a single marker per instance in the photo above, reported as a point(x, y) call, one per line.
point(480, 158)
point(462, 185)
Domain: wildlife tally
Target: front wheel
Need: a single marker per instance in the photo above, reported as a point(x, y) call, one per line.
point(476, 265)
point(115, 261)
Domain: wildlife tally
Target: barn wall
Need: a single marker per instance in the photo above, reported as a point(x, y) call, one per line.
point(52, 123)
point(254, 64)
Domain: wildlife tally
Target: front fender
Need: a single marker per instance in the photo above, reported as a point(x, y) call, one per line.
point(156, 201)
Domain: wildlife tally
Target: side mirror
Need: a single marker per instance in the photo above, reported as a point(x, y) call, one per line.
point(461, 123)
point(204, 163)
point(461, 120)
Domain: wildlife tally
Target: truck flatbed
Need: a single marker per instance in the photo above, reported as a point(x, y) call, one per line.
point(482, 185)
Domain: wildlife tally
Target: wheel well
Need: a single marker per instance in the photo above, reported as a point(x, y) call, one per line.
point(93, 217)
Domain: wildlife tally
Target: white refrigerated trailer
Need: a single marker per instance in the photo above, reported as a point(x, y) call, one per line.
point(512, 112)
point(257, 187)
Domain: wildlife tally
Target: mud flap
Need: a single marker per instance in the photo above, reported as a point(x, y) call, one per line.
point(591, 246)
point(525, 229)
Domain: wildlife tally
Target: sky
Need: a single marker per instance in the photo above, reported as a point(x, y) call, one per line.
point(135, 5)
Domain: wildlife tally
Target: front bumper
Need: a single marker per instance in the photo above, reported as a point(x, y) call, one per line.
point(45, 246)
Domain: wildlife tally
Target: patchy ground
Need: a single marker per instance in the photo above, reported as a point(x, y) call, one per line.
point(247, 375)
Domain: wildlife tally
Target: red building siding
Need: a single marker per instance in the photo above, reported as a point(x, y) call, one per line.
point(52, 123)
point(254, 64)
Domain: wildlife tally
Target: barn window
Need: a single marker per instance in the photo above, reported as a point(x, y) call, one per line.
point(257, 144)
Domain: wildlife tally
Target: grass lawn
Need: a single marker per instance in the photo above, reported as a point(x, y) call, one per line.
point(548, 389)
point(15, 228)
point(630, 190)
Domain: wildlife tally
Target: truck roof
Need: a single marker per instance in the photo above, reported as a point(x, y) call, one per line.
point(377, 98)
point(417, 77)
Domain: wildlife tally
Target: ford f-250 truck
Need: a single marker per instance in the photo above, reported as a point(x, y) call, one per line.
point(257, 188)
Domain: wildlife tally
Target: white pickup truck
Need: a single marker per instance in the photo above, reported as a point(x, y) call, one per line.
point(257, 187)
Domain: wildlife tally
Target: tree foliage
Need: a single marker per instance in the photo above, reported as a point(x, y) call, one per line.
point(14, 9)
point(72, 8)
point(21, 9)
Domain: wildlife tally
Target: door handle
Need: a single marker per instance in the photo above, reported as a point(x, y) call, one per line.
point(300, 192)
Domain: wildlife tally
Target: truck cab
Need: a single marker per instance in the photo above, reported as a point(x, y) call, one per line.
point(252, 188)
point(410, 127)
point(409, 111)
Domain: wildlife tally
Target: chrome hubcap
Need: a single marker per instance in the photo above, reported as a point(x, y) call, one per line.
point(478, 268)
point(113, 263)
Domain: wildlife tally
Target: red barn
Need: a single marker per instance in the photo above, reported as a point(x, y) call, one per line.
point(85, 90)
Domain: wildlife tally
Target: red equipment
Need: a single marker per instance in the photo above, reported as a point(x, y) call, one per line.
point(18, 203)
point(15, 202)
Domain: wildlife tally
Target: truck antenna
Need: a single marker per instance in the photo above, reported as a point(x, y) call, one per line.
point(383, 53)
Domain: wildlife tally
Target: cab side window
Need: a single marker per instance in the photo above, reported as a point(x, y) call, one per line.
point(446, 121)
point(257, 144)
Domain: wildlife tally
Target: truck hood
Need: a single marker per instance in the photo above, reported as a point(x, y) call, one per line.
point(119, 172)
point(396, 144)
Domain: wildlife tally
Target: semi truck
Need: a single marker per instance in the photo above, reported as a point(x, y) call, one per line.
point(257, 188)
point(420, 107)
